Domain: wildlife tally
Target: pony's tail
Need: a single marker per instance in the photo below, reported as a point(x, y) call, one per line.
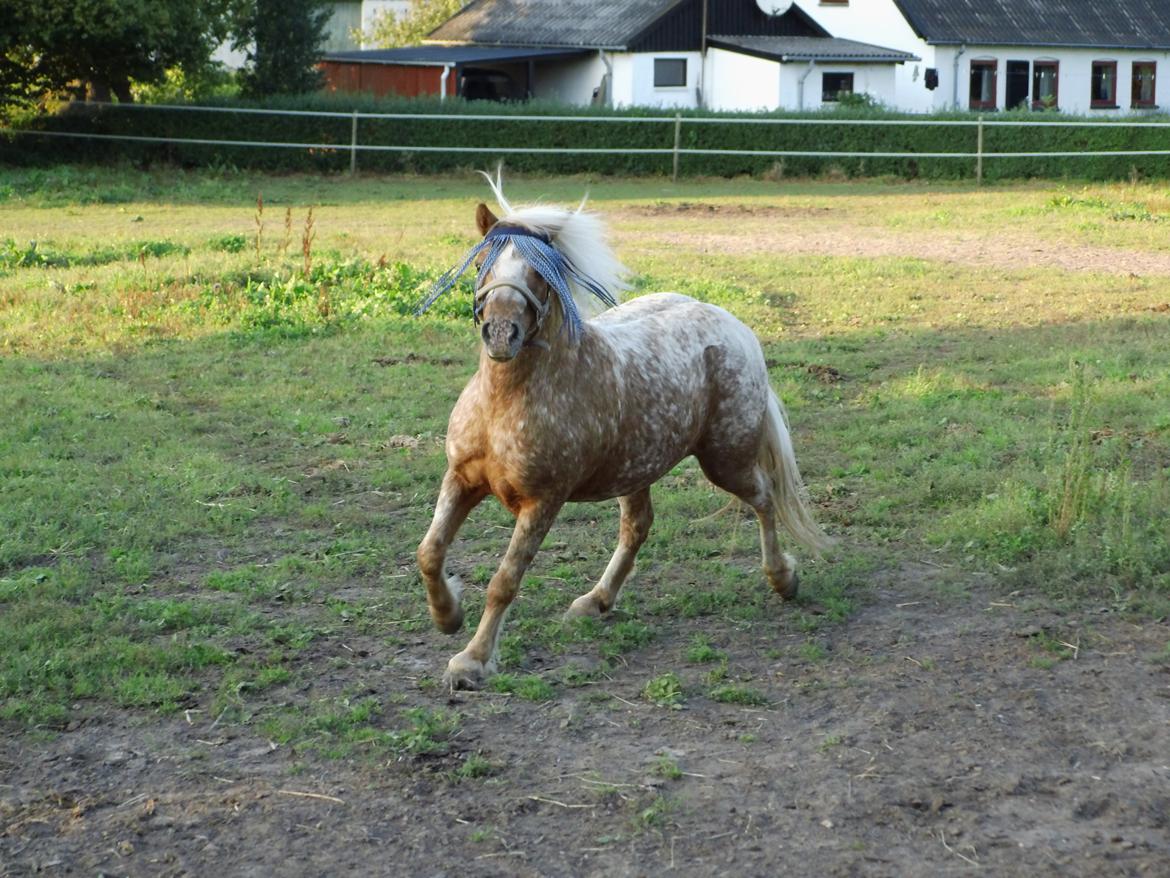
point(789, 497)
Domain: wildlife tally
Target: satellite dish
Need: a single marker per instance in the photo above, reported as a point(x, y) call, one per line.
point(775, 7)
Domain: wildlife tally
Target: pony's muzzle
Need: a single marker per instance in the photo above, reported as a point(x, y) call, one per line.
point(502, 338)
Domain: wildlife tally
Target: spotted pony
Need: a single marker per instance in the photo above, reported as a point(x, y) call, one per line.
point(575, 400)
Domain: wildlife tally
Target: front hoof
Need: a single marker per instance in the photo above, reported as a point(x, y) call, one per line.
point(464, 673)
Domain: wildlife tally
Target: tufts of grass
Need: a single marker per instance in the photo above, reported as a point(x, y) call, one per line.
point(476, 766)
point(665, 690)
point(338, 728)
point(530, 687)
point(667, 768)
point(702, 652)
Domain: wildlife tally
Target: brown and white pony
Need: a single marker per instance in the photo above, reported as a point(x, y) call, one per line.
point(552, 417)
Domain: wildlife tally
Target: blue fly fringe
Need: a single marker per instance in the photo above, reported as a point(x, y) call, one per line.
point(537, 250)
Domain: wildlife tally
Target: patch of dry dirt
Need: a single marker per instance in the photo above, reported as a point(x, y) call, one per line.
point(804, 231)
point(929, 739)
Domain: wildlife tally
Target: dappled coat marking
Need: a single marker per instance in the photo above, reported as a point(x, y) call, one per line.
point(602, 409)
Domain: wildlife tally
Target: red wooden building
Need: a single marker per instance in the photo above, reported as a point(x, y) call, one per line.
point(495, 72)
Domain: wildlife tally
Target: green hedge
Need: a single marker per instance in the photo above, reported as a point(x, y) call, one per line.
point(450, 127)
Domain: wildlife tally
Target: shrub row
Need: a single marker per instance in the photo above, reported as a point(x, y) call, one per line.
point(448, 125)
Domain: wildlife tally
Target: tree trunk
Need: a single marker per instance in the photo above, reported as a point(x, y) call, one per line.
point(98, 91)
point(122, 90)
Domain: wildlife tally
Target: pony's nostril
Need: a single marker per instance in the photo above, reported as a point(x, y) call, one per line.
point(514, 334)
point(484, 332)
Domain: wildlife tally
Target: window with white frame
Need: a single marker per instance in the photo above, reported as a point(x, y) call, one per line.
point(670, 72)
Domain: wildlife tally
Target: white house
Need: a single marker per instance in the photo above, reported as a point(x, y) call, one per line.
point(352, 18)
point(663, 53)
point(348, 20)
point(913, 55)
point(1081, 56)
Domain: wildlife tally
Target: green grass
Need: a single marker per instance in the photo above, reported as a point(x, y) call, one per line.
point(665, 690)
point(214, 461)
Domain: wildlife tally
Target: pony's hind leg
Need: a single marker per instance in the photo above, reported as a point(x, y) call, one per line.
point(752, 485)
point(637, 516)
point(455, 501)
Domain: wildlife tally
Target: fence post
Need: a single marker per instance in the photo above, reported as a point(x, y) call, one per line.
point(353, 143)
point(979, 152)
point(677, 132)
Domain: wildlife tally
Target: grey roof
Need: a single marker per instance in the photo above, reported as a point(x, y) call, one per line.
point(593, 24)
point(436, 56)
point(810, 49)
point(1098, 24)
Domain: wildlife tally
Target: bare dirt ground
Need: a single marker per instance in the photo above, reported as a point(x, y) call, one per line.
point(813, 231)
point(936, 735)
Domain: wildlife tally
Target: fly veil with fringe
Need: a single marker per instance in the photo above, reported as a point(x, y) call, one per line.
point(554, 241)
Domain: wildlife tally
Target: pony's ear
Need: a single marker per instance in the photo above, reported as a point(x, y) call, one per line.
point(484, 218)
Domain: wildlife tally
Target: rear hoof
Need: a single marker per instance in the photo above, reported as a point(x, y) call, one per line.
point(451, 622)
point(586, 606)
point(788, 592)
point(786, 583)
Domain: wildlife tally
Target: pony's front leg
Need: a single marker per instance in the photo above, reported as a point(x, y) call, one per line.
point(456, 500)
point(469, 669)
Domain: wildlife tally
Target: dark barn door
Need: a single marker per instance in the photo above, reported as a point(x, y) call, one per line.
point(1017, 84)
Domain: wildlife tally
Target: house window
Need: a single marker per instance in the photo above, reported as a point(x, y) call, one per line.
point(1104, 85)
point(835, 84)
point(670, 72)
point(983, 85)
point(1143, 83)
point(1045, 93)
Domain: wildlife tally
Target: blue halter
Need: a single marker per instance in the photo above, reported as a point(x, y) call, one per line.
point(537, 250)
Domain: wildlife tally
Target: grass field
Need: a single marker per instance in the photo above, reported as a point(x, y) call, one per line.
point(221, 440)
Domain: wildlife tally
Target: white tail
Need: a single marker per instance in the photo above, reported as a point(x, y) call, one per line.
point(789, 496)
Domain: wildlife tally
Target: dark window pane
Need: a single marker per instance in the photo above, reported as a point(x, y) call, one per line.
point(670, 72)
point(1044, 74)
point(835, 84)
point(982, 94)
point(1104, 83)
point(1143, 84)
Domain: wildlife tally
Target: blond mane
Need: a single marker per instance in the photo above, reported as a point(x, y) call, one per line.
point(579, 235)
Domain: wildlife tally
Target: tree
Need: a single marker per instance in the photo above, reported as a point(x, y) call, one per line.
point(101, 45)
point(390, 31)
point(282, 39)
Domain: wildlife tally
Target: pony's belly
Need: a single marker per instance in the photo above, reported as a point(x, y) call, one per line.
point(620, 474)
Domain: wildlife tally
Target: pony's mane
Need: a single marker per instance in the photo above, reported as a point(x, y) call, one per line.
point(579, 235)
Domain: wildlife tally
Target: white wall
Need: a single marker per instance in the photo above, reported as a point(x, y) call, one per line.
point(633, 80)
point(880, 23)
point(1073, 79)
point(876, 80)
point(570, 82)
point(741, 82)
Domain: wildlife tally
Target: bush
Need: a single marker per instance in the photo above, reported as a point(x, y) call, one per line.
point(455, 124)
